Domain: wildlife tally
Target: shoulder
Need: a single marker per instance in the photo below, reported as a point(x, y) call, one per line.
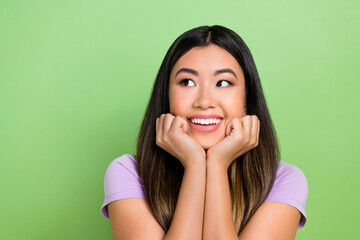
point(121, 181)
point(290, 187)
point(287, 173)
point(124, 165)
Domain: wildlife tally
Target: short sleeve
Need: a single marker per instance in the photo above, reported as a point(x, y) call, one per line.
point(121, 181)
point(290, 187)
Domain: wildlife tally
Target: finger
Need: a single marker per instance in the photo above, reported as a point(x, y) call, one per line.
point(258, 132)
point(229, 128)
point(234, 126)
point(158, 131)
point(159, 123)
point(247, 125)
point(168, 119)
point(254, 130)
point(179, 123)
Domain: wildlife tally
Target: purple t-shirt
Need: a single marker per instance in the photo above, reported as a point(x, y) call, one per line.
point(122, 181)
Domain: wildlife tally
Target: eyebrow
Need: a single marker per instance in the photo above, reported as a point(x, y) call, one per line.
point(192, 71)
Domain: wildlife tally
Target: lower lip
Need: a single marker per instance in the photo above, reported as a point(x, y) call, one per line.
point(205, 128)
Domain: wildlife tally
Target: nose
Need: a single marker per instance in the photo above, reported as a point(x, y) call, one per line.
point(205, 98)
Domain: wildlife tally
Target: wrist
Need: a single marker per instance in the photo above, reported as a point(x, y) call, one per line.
point(195, 163)
point(218, 160)
point(215, 164)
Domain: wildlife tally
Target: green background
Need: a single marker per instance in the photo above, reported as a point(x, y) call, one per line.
point(75, 78)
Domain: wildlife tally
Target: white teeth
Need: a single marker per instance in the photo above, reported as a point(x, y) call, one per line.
point(207, 121)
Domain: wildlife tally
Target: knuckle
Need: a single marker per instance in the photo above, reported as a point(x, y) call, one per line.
point(168, 115)
point(165, 138)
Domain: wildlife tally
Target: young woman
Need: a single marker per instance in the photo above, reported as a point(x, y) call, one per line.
point(207, 162)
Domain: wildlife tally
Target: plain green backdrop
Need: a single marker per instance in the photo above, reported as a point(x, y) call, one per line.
point(75, 78)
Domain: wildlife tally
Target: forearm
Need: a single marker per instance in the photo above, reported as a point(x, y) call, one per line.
point(188, 217)
point(218, 222)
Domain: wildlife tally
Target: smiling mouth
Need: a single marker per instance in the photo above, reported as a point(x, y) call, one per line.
point(205, 122)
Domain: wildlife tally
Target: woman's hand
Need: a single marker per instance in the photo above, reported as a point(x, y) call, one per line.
point(172, 137)
point(241, 136)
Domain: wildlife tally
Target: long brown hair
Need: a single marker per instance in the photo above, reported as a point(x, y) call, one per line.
point(251, 176)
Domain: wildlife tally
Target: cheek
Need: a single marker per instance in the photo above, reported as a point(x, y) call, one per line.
point(234, 106)
point(178, 103)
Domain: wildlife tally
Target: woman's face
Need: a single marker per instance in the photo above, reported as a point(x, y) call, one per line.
point(207, 89)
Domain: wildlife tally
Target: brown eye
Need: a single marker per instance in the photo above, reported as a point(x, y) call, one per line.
point(187, 82)
point(223, 83)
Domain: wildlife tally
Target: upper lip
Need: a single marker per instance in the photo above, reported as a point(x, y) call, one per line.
point(209, 116)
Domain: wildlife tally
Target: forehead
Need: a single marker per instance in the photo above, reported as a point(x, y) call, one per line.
point(209, 58)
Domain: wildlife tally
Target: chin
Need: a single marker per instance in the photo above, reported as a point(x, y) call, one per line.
point(206, 142)
point(206, 146)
